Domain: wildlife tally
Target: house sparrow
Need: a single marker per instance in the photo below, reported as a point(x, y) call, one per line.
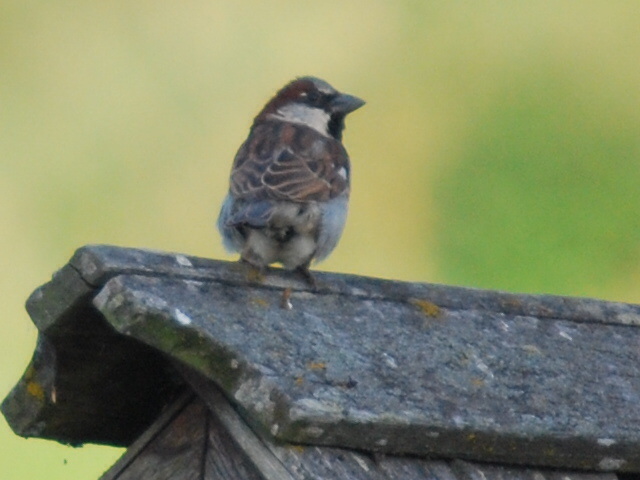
point(289, 188)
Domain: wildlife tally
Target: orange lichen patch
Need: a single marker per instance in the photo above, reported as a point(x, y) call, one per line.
point(511, 302)
point(255, 275)
point(30, 373)
point(299, 381)
point(317, 366)
point(35, 390)
point(531, 349)
point(545, 312)
point(430, 309)
point(477, 382)
point(260, 302)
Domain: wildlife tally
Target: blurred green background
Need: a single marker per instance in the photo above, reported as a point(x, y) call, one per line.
point(499, 147)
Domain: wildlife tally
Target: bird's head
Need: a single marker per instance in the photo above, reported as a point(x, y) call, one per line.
point(312, 102)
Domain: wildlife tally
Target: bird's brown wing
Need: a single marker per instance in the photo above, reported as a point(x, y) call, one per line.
point(281, 161)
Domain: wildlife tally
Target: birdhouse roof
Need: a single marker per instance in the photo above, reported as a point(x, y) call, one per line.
point(412, 372)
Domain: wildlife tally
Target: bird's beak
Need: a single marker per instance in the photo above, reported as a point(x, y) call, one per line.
point(345, 103)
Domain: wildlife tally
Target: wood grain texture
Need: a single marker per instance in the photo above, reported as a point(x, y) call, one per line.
point(383, 375)
point(161, 424)
point(359, 363)
point(85, 382)
point(176, 452)
point(187, 442)
point(298, 462)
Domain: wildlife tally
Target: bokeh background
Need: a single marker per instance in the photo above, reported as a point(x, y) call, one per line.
point(499, 148)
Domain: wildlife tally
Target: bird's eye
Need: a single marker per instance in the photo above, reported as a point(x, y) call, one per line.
point(313, 96)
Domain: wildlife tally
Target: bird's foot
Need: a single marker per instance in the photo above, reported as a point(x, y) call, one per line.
point(308, 277)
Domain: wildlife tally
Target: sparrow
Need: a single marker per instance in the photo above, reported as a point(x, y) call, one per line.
point(289, 188)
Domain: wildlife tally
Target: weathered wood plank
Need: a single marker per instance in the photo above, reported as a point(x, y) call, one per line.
point(89, 387)
point(503, 376)
point(246, 440)
point(475, 471)
point(85, 382)
point(99, 263)
point(308, 462)
point(224, 459)
point(57, 304)
point(186, 442)
point(280, 461)
point(415, 469)
point(397, 376)
point(159, 425)
point(175, 452)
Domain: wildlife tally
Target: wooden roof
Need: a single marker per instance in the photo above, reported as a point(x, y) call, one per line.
point(358, 367)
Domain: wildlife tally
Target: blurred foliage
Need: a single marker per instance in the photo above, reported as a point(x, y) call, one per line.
point(544, 195)
point(498, 147)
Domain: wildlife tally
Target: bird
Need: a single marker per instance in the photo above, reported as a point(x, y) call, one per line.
point(289, 186)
